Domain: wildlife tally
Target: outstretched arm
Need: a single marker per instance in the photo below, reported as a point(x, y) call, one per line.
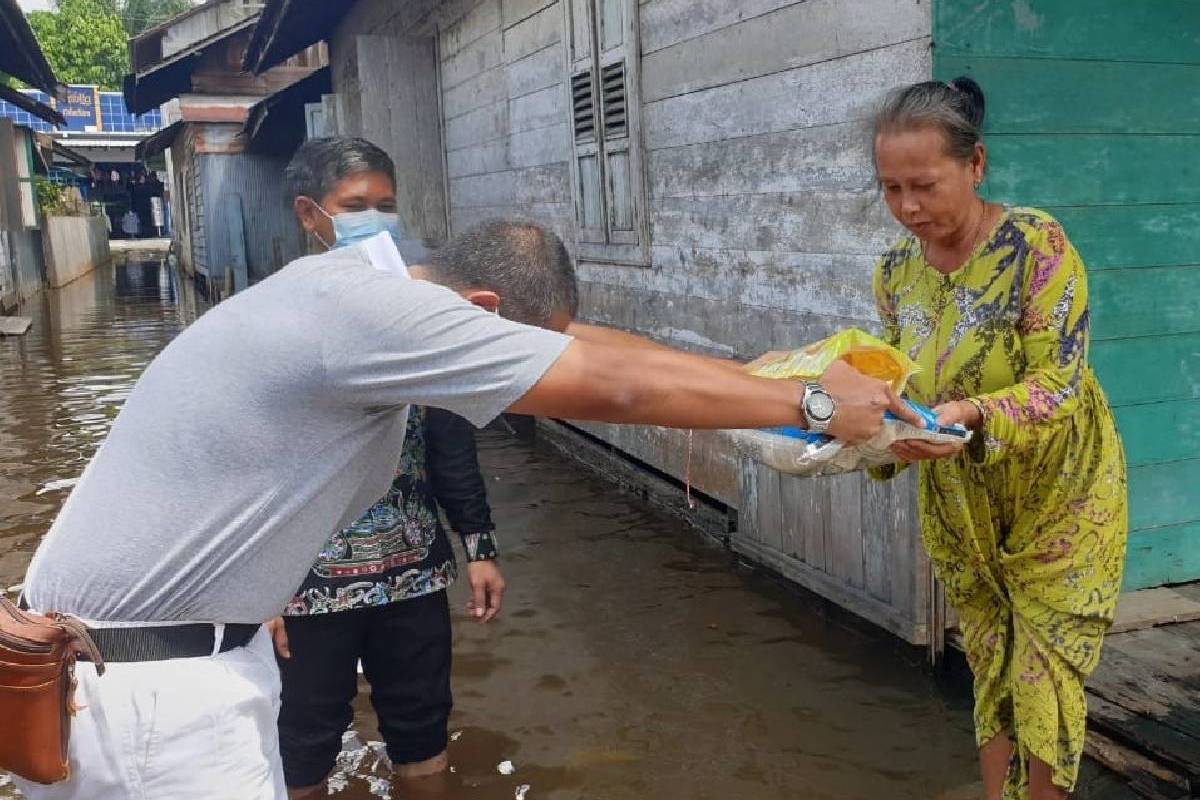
point(660, 386)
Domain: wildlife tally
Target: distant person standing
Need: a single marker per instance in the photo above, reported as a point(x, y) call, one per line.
point(130, 225)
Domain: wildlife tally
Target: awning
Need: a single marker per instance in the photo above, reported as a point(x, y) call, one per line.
point(288, 26)
point(283, 112)
point(48, 142)
point(20, 55)
point(172, 76)
point(157, 142)
point(27, 103)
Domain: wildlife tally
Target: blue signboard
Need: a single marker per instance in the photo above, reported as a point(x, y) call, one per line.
point(81, 108)
point(80, 111)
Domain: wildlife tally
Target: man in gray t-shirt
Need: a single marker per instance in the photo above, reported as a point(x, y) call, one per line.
point(276, 418)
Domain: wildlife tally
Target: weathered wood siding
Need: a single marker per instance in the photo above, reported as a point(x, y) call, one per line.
point(764, 218)
point(220, 180)
point(506, 114)
point(1094, 115)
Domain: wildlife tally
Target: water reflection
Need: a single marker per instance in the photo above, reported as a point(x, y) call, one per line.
point(62, 384)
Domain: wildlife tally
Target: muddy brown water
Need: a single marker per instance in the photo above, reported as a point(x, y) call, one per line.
point(631, 661)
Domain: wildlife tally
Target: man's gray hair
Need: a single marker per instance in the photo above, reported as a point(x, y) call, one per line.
point(524, 263)
point(320, 163)
point(956, 108)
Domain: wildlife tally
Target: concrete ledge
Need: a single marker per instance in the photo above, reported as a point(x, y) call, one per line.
point(73, 246)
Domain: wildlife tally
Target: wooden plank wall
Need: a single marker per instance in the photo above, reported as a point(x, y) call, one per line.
point(851, 542)
point(1093, 114)
point(506, 116)
point(764, 217)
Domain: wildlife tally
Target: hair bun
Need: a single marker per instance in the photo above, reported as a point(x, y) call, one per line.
point(976, 106)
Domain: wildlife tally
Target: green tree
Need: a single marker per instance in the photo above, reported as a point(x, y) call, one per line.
point(138, 15)
point(84, 41)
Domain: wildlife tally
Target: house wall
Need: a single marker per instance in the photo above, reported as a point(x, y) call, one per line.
point(22, 270)
point(764, 220)
point(222, 181)
point(73, 246)
point(1093, 115)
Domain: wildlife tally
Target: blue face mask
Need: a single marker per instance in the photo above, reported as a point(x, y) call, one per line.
point(352, 227)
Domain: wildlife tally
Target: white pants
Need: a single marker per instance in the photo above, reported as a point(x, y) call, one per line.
point(182, 729)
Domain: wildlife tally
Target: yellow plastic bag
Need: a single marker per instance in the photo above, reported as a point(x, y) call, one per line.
point(864, 352)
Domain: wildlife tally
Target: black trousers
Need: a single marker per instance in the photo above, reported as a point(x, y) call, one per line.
point(405, 652)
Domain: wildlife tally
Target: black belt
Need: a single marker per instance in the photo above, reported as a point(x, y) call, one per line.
point(163, 642)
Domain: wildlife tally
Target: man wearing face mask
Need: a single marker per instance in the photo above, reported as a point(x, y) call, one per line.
point(377, 592)
point(276, 418)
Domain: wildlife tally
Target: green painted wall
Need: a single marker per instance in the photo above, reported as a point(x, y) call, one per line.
point(1094, 115)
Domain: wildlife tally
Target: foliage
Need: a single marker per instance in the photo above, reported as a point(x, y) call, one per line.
point(138, 15)
point(84, 41)
point(51, 196)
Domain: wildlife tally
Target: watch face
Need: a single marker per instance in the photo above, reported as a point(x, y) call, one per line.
point(819, 406)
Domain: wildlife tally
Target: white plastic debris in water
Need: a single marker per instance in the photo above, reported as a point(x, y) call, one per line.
point(505, 768)
point(454, 737)
point(379, 750)
point(380, 787)
point(61, 483)
point(522, 790)
point(365, 761)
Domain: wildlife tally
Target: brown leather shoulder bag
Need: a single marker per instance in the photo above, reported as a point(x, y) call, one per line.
point(37, 688)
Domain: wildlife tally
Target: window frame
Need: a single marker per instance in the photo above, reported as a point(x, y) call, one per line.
point(585, 52)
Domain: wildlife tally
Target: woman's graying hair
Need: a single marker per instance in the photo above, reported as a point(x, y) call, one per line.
point(956, 108)
point(522, 262)
point(320, 163)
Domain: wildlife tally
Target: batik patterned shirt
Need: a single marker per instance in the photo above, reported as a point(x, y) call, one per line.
point(398, 548)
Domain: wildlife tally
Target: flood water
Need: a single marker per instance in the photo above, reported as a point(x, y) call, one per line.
point(632, 659)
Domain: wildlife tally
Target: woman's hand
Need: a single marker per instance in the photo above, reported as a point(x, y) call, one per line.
point(959, 412)
point(912, 450)
point(956, 412)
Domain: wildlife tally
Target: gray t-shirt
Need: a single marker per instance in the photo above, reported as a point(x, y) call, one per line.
point(274, 419)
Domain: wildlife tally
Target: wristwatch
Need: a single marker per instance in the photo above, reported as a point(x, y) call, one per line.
point(819, 407)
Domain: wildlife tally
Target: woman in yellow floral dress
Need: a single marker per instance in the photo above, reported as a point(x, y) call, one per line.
point(1027, 524)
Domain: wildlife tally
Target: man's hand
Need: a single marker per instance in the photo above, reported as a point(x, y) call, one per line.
point(278, 633)
point(861, 402)
point(487, 590)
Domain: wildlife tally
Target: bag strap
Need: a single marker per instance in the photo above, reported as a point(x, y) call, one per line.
point(79, 642)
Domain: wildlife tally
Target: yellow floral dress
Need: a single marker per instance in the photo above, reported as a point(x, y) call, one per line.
point(1027, 526)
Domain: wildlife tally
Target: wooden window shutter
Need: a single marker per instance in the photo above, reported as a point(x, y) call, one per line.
point(586, 167)
point(605, 106)
point(620, 111)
